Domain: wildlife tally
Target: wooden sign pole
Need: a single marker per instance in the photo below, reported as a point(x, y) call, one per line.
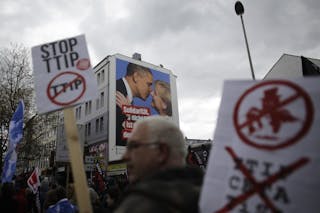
point(76, 159)
point(68, 177)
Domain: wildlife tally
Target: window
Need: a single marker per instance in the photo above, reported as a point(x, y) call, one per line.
point(98, 78)
point(78, 113)
point(86, 108)
point(97, 125)
point(97, 104)
point(101, 124)
point(89, 129)
point(89, 108)
point(102, 99)
point(102, 76)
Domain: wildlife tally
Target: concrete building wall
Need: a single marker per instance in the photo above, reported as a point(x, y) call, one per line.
point(288, 66)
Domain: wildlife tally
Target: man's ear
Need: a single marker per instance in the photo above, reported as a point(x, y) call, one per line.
point(135, 76)
point(164, 153)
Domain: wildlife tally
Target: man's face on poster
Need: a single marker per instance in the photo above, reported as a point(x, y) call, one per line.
point(144, 85)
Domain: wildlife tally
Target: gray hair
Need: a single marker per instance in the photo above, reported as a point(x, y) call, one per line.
point(163, 129)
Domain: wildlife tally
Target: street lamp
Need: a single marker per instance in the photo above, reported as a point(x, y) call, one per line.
point(239, 11)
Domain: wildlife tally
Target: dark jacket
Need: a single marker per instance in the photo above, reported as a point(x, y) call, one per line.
point(172, 190)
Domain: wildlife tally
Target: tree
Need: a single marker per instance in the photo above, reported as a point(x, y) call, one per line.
point(16, 81)
point(16, 84)
point(33, 146)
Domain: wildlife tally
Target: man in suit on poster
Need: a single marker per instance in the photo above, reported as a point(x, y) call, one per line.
point(136, 83)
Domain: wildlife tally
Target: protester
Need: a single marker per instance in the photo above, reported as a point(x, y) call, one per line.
point(51, 199)
point(63, 204)
point(20, 195)
point(71, 194)
point(160, 180)
point(44, 188)
point(95, 201)
point(8, 203)
point(112, 198)
point(31, 200)
point(51, 196)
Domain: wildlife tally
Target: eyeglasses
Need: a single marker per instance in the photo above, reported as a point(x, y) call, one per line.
point(133, 145)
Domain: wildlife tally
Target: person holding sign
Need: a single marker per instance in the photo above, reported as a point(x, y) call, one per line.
point(136, 83)
point(159, 179)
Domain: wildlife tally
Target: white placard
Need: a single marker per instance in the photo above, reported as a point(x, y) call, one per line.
point(267, 144)
point(63, 74)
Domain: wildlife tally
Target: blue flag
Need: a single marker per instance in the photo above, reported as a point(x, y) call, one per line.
point(15, 136)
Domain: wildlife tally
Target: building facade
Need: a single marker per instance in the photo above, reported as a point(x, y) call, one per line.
point(290, 66)
point(97, 116)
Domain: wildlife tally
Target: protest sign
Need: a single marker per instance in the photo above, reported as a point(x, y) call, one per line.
point(266, 153)
point(64, 78)
point(63, 74)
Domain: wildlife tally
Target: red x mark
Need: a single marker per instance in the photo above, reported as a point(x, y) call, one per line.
point(258, 187)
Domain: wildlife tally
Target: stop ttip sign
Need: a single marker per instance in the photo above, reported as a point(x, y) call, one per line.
point(63, 74)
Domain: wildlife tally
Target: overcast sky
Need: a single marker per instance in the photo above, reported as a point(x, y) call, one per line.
point(201, 41)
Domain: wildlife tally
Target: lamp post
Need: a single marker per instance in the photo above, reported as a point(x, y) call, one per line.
point(239, 11)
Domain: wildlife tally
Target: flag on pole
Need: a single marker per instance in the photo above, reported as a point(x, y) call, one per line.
point(15, 136)
point(99, 168)
point(98, 179)
point(34, 181)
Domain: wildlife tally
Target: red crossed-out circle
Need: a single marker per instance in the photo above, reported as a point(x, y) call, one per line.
point(299, 94)
point(62, 75)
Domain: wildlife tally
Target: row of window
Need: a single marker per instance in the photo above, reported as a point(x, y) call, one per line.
point(87, 129)
point(99, 124)
point(49, 146)
point(100, 77)
point(99, 127)
point(88, 106)
point(100, 101)
point(78, 112)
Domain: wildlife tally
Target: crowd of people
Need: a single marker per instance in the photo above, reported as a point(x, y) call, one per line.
point(53, 197)
point(159, 180)
point(17, 197)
